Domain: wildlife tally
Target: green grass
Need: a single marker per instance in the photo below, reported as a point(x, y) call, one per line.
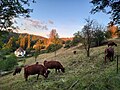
point(90, 72)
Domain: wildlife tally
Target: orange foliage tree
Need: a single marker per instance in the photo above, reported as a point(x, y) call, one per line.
point(113, 30)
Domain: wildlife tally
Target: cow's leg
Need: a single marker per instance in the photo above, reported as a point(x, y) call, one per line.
point(59, 70)
point(56, 70)
point(112, 58)
point(105, 58)
point(26, 77)
point(38, 76)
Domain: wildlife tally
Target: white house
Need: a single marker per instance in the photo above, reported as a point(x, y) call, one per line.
point(20, 52)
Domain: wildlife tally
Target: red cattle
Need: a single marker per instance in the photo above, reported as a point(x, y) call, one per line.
point(35, 69)
point(109, 53)
point(74, 52)
point(17, 70)
point(111, 43)
point(54, 65)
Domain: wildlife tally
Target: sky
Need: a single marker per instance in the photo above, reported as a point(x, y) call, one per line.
point(66, 16)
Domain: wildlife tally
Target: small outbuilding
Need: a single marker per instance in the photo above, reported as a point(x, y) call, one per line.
point(20, 52)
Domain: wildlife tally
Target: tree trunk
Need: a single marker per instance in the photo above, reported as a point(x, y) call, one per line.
point(88, 52)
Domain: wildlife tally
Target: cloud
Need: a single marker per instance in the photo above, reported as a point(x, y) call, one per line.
point(28, 23)
point(50, 22)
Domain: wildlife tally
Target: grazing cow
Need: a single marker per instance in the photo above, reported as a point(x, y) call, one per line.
point(74, 52)
point(109, 53)
point(54, 65)
point(111, 43)
point(35, 69)
point(17, 70)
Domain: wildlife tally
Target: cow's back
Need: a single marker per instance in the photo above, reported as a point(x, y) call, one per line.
point(33, 69)
point(53, 64)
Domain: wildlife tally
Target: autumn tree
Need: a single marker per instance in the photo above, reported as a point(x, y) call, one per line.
point(52, 35)
point(87, 34)
point(38, 46)
point(98, 34)
point(19, 40)
point(111, 7)
point(76, 39)
point(113, 30)
point(28, 41)
point(22, 41)
point(10, 43)
point(54, 38)
point(34, 38)
point(8, 47)
point(10, 9)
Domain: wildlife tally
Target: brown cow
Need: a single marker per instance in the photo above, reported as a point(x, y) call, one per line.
point(54, 65)
point(74, 52)
point(17, 70)
point(35, 69)
point(111, 43)
point(109, 53)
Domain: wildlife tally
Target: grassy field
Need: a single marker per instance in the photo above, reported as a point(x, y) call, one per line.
point(81, 72)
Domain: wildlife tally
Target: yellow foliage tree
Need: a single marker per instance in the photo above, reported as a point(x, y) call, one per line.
point(28, 41)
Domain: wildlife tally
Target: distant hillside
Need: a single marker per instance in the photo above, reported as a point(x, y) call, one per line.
point(65, 39)
point(22, 39)
point(10, 34)
point(37, 36)
point(40, 37)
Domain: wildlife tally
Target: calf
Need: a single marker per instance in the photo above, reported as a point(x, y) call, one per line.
point(54, 65)
point(109, 53)
point(35, 69)
point(17, 70)
point(111, 43)
point(74, 52)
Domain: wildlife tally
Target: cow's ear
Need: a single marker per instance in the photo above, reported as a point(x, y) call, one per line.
point(48, 71)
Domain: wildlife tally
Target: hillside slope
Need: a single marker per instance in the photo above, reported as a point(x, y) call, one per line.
point(81, 72)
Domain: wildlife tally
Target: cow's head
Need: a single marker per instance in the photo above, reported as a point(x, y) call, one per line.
point(46, 73)
point(63, 70)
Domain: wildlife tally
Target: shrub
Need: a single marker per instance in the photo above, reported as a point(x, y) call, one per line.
point(99, 37)
point(43, 51)
point(53, 47)
point(5, 51)
point(108, 34)
point(9, 63)
point(68, 44)
point(76, 39)
point(28, 50)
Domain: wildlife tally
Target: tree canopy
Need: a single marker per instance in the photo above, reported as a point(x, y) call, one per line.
point(111, 7)
point(10, 9)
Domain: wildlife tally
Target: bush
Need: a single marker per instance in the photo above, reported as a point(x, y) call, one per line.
point(53, 47)
point(77, 39)
point(5, 51)
point(99, 37)
point(28, 50)
point(68, 44)
point(43, 51)
point(108, 34)
point(9, 63)
point(75, 42)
